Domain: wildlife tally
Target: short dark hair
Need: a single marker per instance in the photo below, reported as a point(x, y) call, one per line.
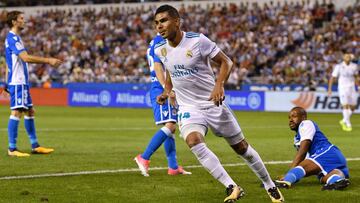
point(12, 15)
point(167, 8)
point(300, 110)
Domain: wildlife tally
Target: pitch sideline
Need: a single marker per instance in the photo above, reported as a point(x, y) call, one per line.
point(46, 175)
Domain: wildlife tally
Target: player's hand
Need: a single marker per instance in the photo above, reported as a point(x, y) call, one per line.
point(55, 62)
point(329, 92)
point(172, 99)
point(161, 99)
point(217, 95)
point(5, 90)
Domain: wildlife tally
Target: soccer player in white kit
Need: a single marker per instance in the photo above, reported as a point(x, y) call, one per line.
point(347, 72)
point(186, 57)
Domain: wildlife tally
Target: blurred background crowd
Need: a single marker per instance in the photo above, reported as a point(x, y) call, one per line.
point(277, 43)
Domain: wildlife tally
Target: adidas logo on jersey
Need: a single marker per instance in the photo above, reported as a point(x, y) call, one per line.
point(165, 113)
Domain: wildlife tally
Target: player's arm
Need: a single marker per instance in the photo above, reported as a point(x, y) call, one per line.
point(163, 81)
point(167, 89)
point(159, 73)
point(307, 132)
point(333, 77)
point(38, 59)
point(218, 93)
point(357, 81)
point(301, 153)
point(331, 81)
point(6, 79)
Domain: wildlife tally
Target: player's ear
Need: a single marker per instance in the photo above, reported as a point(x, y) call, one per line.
point(177, 22)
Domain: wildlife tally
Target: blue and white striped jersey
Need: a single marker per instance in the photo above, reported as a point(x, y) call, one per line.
point(18, 73)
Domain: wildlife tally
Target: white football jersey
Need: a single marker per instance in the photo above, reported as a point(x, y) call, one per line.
point(346, 74)
point(189, 66)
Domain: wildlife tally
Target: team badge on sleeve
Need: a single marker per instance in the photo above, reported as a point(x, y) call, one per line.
point(19, 46)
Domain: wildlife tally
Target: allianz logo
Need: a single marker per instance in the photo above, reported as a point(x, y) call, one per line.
point(253, 100)
point(104, 97)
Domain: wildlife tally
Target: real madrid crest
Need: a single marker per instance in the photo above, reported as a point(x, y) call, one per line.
point(189, 54)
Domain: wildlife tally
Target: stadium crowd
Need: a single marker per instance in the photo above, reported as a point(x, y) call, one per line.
point(277, 43)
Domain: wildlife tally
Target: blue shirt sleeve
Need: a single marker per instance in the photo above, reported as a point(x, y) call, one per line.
point(155, 57)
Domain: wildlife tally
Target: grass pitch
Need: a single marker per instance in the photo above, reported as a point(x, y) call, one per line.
point(103, 142)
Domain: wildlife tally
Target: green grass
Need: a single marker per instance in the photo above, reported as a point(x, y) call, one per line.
point(90, 139)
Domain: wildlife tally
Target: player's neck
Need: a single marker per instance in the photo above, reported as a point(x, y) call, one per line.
point(15, 30)
point(177, 39)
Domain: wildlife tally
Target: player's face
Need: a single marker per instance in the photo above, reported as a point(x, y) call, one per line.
point(295, 119)
point(347, 58)
point(20, 22)
point(165, 25)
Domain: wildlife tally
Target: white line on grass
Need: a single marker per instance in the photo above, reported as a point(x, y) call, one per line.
point(153, 128)
point(132, 170)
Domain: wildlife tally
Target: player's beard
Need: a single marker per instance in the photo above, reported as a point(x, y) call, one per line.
point(293, 126)
point(171, 35)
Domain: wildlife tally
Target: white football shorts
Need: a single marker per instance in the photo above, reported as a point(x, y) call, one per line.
point(348, 96)
point(221, 121)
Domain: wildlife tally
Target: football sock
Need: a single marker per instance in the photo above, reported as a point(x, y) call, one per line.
point(13, 126)
point(253, 160)
point(294, 174)
point(170, 150)
point(155, 142)
point(349, 112)
point(212, 164)
point(344, 113)
point(334, 178)
point(30, 129)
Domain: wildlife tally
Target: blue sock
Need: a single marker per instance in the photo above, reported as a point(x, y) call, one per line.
point(30, 129)
point(295, 174)
point(170, 150)
point(13, 132)
point(155, 143)
point(334, 178)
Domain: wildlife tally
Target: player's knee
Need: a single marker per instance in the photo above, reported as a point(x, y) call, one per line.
point(16, 113)
point(31, 112)
point(332, 173)
point(171, 127)
point(193, 134)
point(193, 139)
point(241, 147)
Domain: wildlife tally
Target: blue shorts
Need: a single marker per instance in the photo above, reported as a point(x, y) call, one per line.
point(330, 159)
point(164, 113)
point(20, 97)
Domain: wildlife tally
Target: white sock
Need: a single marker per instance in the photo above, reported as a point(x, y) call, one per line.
point(253, 160)
point(349, 112)
point(344, 112)
point(212, 164)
